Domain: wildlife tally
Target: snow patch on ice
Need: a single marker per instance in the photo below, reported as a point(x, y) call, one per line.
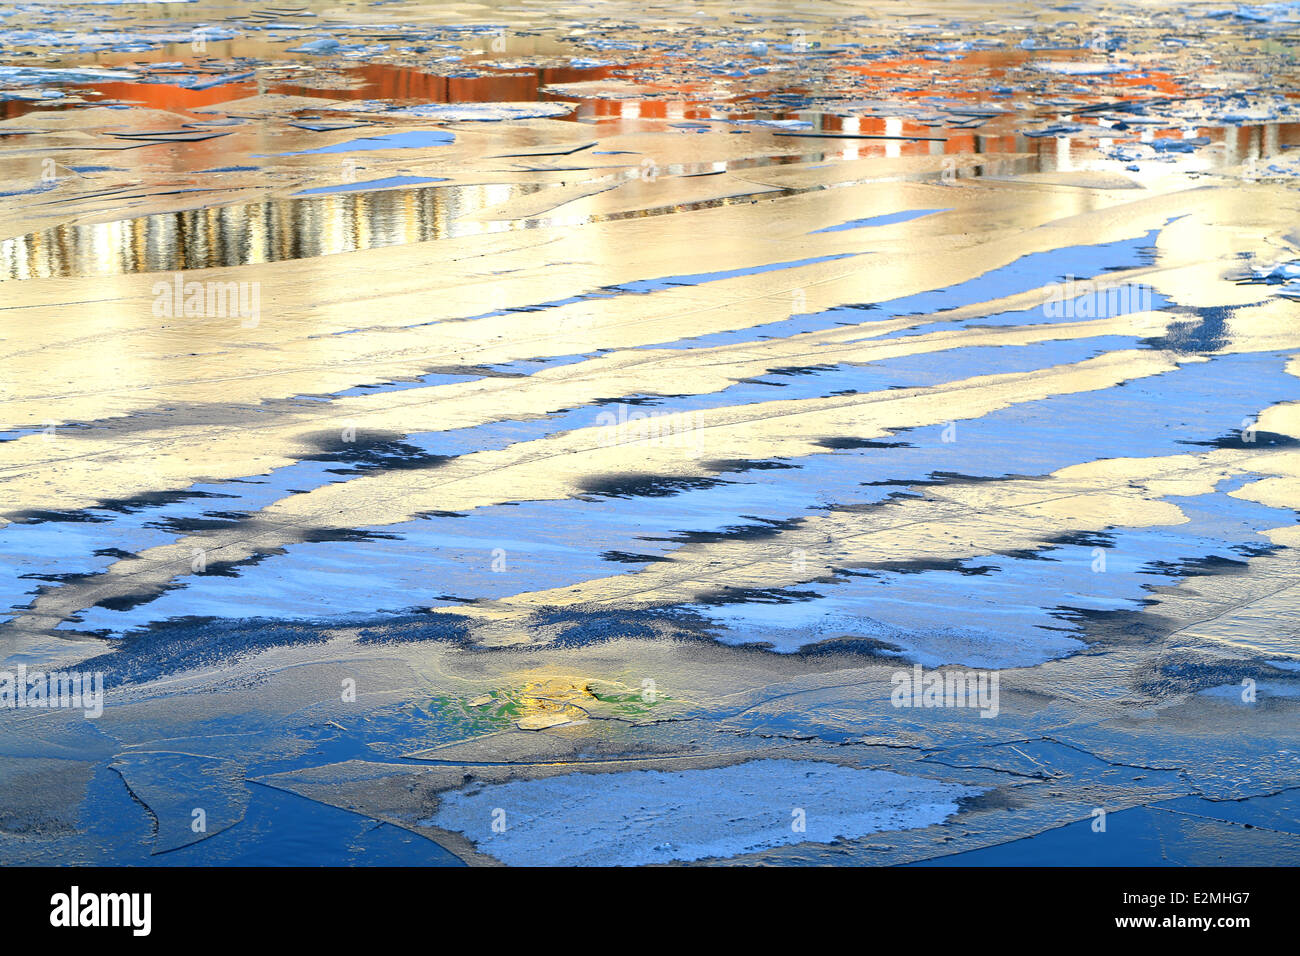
point(651, 816)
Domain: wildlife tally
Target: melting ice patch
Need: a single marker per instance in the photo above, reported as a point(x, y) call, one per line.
point(651, 816)
point(643, 286)
point(319, 47)
point(415, 139)
point(1078, 67)
point(888, 219)
point(35, 76)
point(1249, 695)
point(1285, 275)
point(483, 112)
point(1030, 271)
point(372, 184)
point(559, 543)
point(1267, 13)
